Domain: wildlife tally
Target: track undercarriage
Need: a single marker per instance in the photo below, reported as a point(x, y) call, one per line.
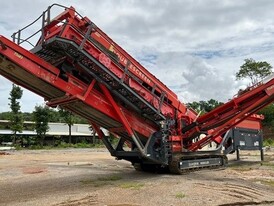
point(183, 164)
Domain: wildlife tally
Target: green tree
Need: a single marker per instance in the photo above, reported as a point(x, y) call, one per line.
point(204, 106)
point(253, 70)
point(5, 115)
point(256, 71)
point(27, 116)
point(41, 116)
point(55, 115)
point(268, 113)
point(212, 104)
point(16, 116)
point(68, 118)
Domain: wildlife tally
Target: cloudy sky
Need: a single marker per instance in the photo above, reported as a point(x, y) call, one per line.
point(194, 47)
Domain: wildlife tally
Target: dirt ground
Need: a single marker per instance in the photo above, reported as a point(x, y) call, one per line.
point(92, 177)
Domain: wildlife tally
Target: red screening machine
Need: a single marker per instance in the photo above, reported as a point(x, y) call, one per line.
point(76, 66)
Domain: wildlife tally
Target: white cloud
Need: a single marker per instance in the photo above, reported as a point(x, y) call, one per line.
point(192, 78)
point(194, 47)
point(27, 102)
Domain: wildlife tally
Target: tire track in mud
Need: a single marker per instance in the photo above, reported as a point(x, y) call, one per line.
point(86, 201)
point(241, 192)
point(248, 203)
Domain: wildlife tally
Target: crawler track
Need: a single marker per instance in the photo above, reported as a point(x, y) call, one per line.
point(182, 164)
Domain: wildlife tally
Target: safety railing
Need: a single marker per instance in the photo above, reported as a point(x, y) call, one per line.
point(44, 19)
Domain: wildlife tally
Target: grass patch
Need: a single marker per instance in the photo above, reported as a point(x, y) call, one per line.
point(241, 168)
point(132, 185)
point(244, 166)
point(269, 165)
point(180, 195)
point(268, 142)
point(268, 157)
point(101, 181)
point(62, 145)
point(77, 145)
point(95, 183)
point(110, 178)
point(268, 182)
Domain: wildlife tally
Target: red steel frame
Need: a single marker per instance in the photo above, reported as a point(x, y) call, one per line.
point(86, 93)
point(233, 112)
point(77, 29)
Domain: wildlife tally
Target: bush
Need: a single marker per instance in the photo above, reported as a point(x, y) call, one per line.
point(268, 142)
point(81, 145)
point(62, 144)
point(36, 147)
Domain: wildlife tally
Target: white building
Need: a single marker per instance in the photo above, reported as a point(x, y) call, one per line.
point(55, 129)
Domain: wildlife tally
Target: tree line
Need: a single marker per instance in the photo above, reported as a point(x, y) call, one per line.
point(41, 116)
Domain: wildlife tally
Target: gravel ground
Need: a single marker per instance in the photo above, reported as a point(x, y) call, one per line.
point(92, 177)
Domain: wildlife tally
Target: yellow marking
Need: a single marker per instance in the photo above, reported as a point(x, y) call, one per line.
point(111, 48)
point(97, 34)
point(18, 55)
point(270, 88)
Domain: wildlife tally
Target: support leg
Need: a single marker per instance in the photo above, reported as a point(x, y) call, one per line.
point(238, 154)
point(262, 154)
point(104, 139)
